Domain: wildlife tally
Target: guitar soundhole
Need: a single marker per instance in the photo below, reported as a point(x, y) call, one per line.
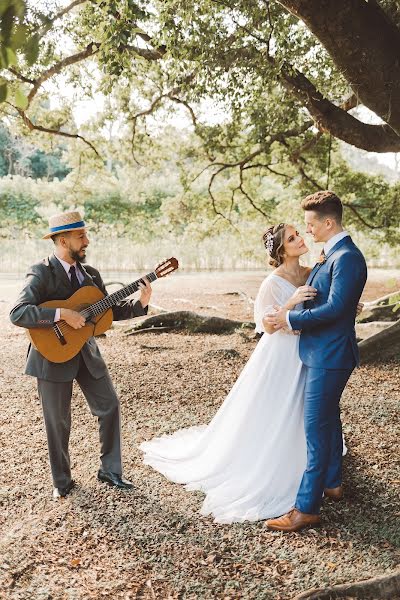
point(59, 335)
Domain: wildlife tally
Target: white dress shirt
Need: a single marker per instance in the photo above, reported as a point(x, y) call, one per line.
point(327, 248)
point(334, 240)
point(79, 276)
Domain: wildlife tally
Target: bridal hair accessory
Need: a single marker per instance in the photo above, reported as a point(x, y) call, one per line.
point(269, 241)
point(269, 237)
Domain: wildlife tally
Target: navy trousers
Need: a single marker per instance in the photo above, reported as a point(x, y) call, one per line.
point(323, 430)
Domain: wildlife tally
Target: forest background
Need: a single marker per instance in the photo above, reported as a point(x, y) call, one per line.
point(175, 130)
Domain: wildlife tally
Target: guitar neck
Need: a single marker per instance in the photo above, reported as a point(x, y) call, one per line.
point(113, 299)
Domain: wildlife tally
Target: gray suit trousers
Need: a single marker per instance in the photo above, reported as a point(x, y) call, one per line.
point(103, 403)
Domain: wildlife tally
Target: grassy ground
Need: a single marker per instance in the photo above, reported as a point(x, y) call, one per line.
point(99, 543)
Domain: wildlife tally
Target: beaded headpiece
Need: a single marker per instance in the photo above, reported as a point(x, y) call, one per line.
point(269, 241)
point(269, 237)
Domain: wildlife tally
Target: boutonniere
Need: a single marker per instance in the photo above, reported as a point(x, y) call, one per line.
point(321, 259)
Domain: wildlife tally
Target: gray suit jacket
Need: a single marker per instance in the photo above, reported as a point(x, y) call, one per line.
point(47, 280)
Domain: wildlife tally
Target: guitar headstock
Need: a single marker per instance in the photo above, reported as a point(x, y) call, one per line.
point(166, 267)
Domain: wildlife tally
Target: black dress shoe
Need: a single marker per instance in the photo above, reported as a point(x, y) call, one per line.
point(62, 492)
point(114, 479)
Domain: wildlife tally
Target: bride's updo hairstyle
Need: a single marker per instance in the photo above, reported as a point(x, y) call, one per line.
point(273, 240)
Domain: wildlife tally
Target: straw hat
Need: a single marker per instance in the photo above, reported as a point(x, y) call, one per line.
point(68, 221)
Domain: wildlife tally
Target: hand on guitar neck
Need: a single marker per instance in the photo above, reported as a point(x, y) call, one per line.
point(145, 292)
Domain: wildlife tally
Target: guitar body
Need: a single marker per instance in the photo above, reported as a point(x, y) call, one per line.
point(60, 342)
point(49, 345)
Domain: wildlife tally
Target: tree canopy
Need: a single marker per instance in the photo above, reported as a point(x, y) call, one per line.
point(291, 78)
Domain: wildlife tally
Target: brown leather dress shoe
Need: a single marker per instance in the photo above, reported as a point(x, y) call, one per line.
point(334, 493)
point(293, 521)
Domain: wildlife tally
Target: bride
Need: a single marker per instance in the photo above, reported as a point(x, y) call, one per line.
point(249, 460)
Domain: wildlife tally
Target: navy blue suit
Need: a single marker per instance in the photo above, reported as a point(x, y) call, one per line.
point(329, 350)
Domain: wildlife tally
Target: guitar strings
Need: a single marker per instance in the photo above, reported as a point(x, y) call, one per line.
point(107, 302)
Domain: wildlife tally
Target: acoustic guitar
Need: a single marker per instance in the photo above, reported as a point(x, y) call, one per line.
point(61, 342)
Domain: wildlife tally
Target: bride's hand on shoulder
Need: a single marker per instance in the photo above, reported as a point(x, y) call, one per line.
point(302, 294)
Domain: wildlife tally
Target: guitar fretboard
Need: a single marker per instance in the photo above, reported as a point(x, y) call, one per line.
point(113, 299)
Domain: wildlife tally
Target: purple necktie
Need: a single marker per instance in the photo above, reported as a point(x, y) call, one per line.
point(74, 280)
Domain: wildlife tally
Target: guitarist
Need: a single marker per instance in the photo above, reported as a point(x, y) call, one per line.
point(57, 278)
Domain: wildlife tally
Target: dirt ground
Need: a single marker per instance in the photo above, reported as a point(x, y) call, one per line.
point(152, 543)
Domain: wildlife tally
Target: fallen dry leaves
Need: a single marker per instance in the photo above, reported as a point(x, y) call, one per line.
point(152, 544)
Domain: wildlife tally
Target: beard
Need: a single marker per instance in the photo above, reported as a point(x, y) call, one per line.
point(77, 256)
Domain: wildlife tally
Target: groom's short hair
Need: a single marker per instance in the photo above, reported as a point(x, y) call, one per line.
point(325, 204)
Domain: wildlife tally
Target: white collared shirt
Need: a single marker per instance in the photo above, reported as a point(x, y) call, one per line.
point(67, 267)
point(327, 248)
point(334, 240)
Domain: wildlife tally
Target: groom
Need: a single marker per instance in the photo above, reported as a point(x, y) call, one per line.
point(328, 349)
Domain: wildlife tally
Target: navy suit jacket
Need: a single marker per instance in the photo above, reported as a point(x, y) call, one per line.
point(328, 339)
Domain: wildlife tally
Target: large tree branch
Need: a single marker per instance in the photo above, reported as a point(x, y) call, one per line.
point(336, 120)
point(21, 77)
point(364, 44)
point(328, 116)
point(245, 163)
point(171, 95)
point(355, 211)
point(247, 195)
point(90, 50)
point(59, 66)
point(147, 53)
point(49, 22)
point(34, 127)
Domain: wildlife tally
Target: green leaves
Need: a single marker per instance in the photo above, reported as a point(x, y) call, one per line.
point(31, 49)
point(11, 59)
point(15, 39)
point(21, 101)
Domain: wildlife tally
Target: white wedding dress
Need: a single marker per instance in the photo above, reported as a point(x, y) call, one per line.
point(249, 460)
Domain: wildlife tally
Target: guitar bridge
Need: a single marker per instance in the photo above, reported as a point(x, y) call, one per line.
point(59, 335)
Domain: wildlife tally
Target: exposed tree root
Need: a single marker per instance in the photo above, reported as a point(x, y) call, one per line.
point(380, 312)
point(193, 322)
point(378, 588)
point(383, 344)
point(148, 330)
point(391, 298)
